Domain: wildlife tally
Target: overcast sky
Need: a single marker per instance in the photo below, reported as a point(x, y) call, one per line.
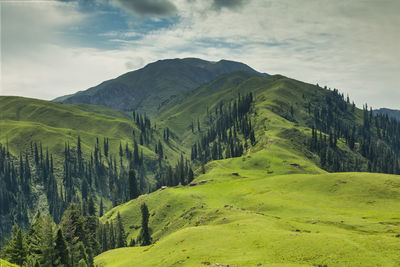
point(52, 48)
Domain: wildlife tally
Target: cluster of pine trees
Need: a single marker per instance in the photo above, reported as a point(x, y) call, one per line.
point(144, 124)
point(16, 180)
point(74, 242)
point(374, 143)
point(79, 178)
point(229, 133)
point(181, 174)
point(101, 174)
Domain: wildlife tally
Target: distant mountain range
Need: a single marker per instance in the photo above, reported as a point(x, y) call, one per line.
point(392, 113)
point(146, 89)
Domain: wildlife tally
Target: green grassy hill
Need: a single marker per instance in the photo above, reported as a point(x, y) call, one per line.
point(346, 219)
point(274, 97)
point(25, 120)
point(272, 206)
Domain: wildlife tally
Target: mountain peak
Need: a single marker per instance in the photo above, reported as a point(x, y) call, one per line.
point(147, 88)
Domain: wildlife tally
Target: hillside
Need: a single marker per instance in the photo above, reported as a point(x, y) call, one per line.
point(39, 141)
point(255, 218)
point(273, 205)
point(146, 89)
point(26, 120)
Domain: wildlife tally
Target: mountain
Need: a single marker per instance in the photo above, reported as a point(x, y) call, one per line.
point(392, 113)
point(243, 170)
point(146, 89)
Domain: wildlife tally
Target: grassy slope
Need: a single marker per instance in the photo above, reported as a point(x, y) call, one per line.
point(273, 97)
point(24, 120)
point(348, 219)
point(272, 213)
point(4, 263)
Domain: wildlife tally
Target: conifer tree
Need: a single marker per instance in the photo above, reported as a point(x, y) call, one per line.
point(35, 236)
point(121, 236)
point(101, 208)
point(48, 245)
point(190, 176)
point(61, 251)
point(133, 187)
point(91, 207)
point(144, 238)
point(16, 250)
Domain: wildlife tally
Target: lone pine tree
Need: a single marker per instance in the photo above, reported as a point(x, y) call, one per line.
point(144, 238)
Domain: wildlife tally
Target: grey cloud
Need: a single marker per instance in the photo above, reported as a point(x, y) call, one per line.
point(149, 7)
point(231, 4)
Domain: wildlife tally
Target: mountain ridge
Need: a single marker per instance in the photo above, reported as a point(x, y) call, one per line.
point(392, 113)
point(147, 88)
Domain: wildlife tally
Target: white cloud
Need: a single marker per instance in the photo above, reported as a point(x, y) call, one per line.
point(350, 45)
point(60, 70)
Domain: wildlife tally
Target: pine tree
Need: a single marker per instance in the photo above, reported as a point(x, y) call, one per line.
point(79, 148)
point(133, 187)
point(111, 236)
point(16, 250)
point(121, 236)
point(121, 152)
point(91, 207)
point(190, 176)
point(144, 238)
point(47, 246)
point(35, 237)
point(136, 159)
point(101, 208)
point(61, 251)
point(74, 228)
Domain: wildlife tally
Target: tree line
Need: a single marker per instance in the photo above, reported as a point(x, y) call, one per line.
point(374, 142)
point(229, 134)
point(75, 241)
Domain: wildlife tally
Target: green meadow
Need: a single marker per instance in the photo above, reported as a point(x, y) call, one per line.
point(274, 206)
point(245, 218)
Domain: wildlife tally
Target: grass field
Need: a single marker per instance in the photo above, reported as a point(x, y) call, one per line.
point(25, 120)
point(249, 218)
point(4, 263)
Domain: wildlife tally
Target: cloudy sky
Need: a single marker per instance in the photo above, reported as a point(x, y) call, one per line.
point(52, 48)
